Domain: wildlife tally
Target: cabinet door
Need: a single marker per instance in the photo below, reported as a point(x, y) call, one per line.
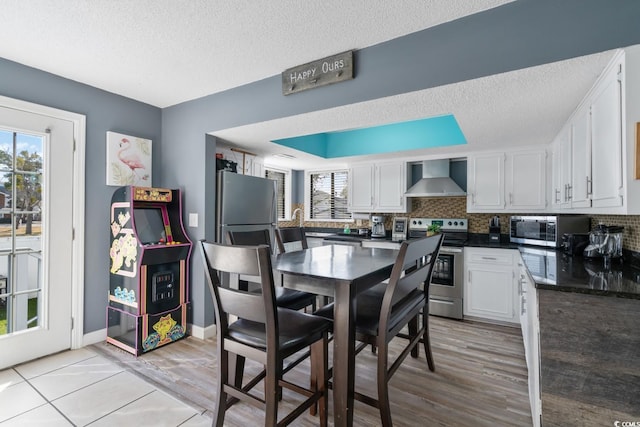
point(606, 137)
point(580, 189)
point(533, 353)
point(565, 167)
point(527, 180)
point(390, 185)
point(257, 168)
point(486, 182)
point(556, 174)
point(361, 188)
point(490, 291)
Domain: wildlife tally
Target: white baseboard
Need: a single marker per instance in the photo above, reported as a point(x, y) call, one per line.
point(202, 333)
point(94, 337)
point(195, 331)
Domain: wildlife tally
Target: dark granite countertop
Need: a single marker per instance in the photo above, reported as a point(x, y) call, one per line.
point(584, 275)
point(579, 274)
point(573, 274)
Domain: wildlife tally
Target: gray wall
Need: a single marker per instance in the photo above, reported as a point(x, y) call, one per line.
point(104, 111)
point(520, 34)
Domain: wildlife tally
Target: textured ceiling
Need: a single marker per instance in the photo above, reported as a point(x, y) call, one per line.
point(164, 52)
point(518, 108)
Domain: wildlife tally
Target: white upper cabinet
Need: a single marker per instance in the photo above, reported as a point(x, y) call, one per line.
point(571, 170)
point(561, 170)
point(485, 182)
point(257, 167)
point(526, 180)
point(602, 147)
point(361, 188)
point(580, 168)
point(378, 187)
point(391, 184)
point(606, 142)
point(507, 182)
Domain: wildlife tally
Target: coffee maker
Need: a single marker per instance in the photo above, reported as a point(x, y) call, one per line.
point(605, 242)
point(377, 226)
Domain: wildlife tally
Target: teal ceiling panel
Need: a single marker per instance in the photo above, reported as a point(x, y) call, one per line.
point(416, 134)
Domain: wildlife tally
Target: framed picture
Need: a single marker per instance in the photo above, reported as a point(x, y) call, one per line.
point(128, 160)
point(637, 150)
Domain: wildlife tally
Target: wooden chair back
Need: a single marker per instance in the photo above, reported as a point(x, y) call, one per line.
point(290, 235)
point(228, 300)
point(411, 274)
point(250, 238)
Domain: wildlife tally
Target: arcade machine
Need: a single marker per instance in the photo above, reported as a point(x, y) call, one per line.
point(148, 285)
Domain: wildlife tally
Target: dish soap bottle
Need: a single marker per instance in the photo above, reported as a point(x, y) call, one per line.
point(346, 230)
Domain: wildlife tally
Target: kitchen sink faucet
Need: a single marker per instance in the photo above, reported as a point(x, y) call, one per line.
point(299, 212)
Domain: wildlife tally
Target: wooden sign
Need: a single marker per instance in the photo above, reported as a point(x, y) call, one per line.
point(322, 72)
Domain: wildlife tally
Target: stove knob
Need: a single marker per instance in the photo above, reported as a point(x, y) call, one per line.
point(455, 223)
point(419, 222)
point(461, 223)
point(449, 223)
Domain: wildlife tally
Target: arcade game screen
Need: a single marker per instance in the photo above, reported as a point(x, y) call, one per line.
point(149, 225)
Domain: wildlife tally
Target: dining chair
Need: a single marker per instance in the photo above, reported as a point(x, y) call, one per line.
point(384, 310)
point(288, 298)
point(291, 239)
point(262, 332)
point(293, 236)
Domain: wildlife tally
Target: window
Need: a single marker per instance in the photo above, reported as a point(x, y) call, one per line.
point(329, 195)
point(283, 186)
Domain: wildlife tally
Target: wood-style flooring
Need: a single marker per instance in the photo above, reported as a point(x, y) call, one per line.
point(480, 379)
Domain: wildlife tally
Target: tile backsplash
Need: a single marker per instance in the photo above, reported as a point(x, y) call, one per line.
point(456, 207)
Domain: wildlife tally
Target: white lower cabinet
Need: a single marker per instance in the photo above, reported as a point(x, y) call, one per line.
point(498, 287)
point(489, 288)
point(530, 324)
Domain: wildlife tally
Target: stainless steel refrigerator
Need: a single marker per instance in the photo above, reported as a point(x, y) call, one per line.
point(244, 203)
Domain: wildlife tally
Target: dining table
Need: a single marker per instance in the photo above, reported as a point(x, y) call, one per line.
point(341, 272)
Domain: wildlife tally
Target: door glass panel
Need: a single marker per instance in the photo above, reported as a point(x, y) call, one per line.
point(4, 292)
point(20, 231)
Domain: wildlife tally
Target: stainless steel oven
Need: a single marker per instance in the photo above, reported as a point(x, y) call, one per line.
point(447, 281)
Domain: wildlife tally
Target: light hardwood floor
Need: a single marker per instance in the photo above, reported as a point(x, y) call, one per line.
point(480, 379)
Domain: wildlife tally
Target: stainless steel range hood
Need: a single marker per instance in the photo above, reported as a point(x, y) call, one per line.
point(435, 181)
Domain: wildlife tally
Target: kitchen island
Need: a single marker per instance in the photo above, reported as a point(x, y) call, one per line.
point(590, 343)
point(590, 358)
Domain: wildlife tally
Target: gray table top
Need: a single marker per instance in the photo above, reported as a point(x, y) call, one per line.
point(340, 262)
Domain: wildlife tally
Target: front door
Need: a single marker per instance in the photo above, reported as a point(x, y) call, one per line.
point(36, 234)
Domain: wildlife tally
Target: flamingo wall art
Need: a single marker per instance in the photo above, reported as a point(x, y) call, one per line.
point(128, 160)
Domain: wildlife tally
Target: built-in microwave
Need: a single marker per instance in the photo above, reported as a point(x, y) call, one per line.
point(546, 230)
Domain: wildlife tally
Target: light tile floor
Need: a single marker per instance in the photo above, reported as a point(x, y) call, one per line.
point(79, 388)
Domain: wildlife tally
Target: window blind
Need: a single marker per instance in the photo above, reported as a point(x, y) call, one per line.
point(279, 178)
point(329, 195)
